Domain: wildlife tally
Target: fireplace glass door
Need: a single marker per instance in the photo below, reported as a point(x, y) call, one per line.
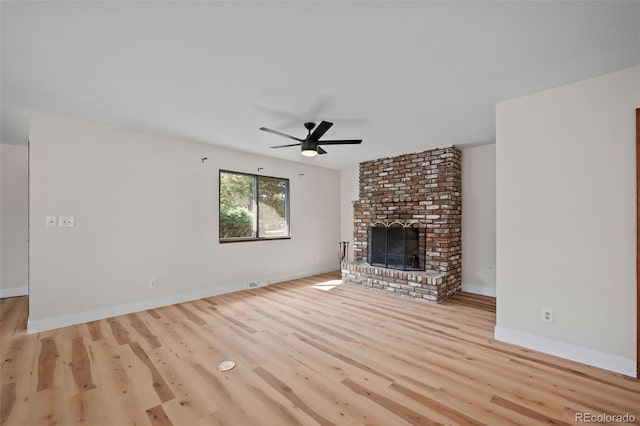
point(394, 247)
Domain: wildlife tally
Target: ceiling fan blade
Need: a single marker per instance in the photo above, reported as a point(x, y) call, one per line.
point(321, 151)
point(341, 142)
point(285, 146)
point(275, 132)
point(320, 130)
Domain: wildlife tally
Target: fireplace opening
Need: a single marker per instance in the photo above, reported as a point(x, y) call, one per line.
point(394, 247)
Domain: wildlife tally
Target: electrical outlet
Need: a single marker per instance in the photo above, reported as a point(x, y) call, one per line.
point(51, 221)
point(547, 315)
point(318, 259)
point(153, 283)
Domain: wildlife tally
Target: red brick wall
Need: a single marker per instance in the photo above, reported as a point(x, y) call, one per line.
point(423, 189)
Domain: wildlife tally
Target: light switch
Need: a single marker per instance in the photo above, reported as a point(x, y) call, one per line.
point(51, 221)
point(67, 221)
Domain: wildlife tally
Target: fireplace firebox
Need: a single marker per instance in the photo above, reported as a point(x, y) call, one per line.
point(395, 247)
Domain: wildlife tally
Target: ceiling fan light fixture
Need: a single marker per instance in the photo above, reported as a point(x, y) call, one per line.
point(309, 152)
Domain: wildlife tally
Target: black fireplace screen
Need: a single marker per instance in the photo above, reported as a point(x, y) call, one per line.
point(394, 247)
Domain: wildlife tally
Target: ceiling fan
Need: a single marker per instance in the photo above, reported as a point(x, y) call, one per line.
point(310, 146)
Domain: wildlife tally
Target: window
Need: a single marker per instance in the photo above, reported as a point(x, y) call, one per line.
point(253, 207)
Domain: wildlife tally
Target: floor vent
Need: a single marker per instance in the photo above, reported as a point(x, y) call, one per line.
point(256, 284)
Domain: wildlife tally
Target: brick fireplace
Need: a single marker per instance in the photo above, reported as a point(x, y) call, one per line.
point(421, 190)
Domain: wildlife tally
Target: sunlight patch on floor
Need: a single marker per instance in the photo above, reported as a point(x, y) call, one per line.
point(327, 285)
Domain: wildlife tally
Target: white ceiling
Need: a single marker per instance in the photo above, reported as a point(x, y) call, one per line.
point(402, 76)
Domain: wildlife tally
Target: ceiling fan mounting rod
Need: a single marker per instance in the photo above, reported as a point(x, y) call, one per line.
point(309, 126)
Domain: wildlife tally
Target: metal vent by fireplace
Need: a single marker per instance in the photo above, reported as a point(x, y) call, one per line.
point(394, 246)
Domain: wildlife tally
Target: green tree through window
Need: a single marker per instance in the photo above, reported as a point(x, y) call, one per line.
point(253, 207)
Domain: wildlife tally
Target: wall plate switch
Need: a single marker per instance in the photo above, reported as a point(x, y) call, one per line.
point(547, 315)
point(67, 221)
point(51, 221)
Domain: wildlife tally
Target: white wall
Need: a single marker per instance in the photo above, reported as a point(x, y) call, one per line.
point(147, 207)
point(349, 192)
point(566, 220)
point(479, 219)
point(14, 206)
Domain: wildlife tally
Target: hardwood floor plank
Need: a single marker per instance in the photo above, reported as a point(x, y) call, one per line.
point(623, 385)
point(292, 325)
point(81, 366)
point(12, 320)
point(19, 358)
point(19, 371)
point(223, 418)
point(288, 354)
point(193, 399)
point(154, 314)
point(7, 401)
point(87, 408)
point(234, 345)
point(94, 330)
point(47, 363)
point(48, 407)
point(210, 301)
point(284, 413)
point(142, 329)
point(9, 308)
point(191, 316)
point(448, 412)
point(230, 388)
point(233, 321)
point(386, 403)
point(158, 417)
point(179, 334)
point(503, 402)
point(303, 356)
point(174, 339)
point(214, 382)
point(221, 393)
point(337, 402)
point(342, 358)
point(159, 385)
point(288, 393)
point(112, 378)
point(558, 385)
point(119, 332)
point(469, 396)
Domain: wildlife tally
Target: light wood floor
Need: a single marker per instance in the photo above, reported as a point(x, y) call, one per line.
point(306, 354)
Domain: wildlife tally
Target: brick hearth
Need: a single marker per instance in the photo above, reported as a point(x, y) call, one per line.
point(422, 190)
point(427, 285)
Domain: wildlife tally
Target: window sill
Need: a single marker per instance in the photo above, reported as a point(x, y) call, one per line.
point(244, 240)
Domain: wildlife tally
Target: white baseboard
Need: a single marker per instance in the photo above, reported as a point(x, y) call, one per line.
point(13, 292)
point(297, 275)
point(36, 326)
point(580, 354)
point(478, 289)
